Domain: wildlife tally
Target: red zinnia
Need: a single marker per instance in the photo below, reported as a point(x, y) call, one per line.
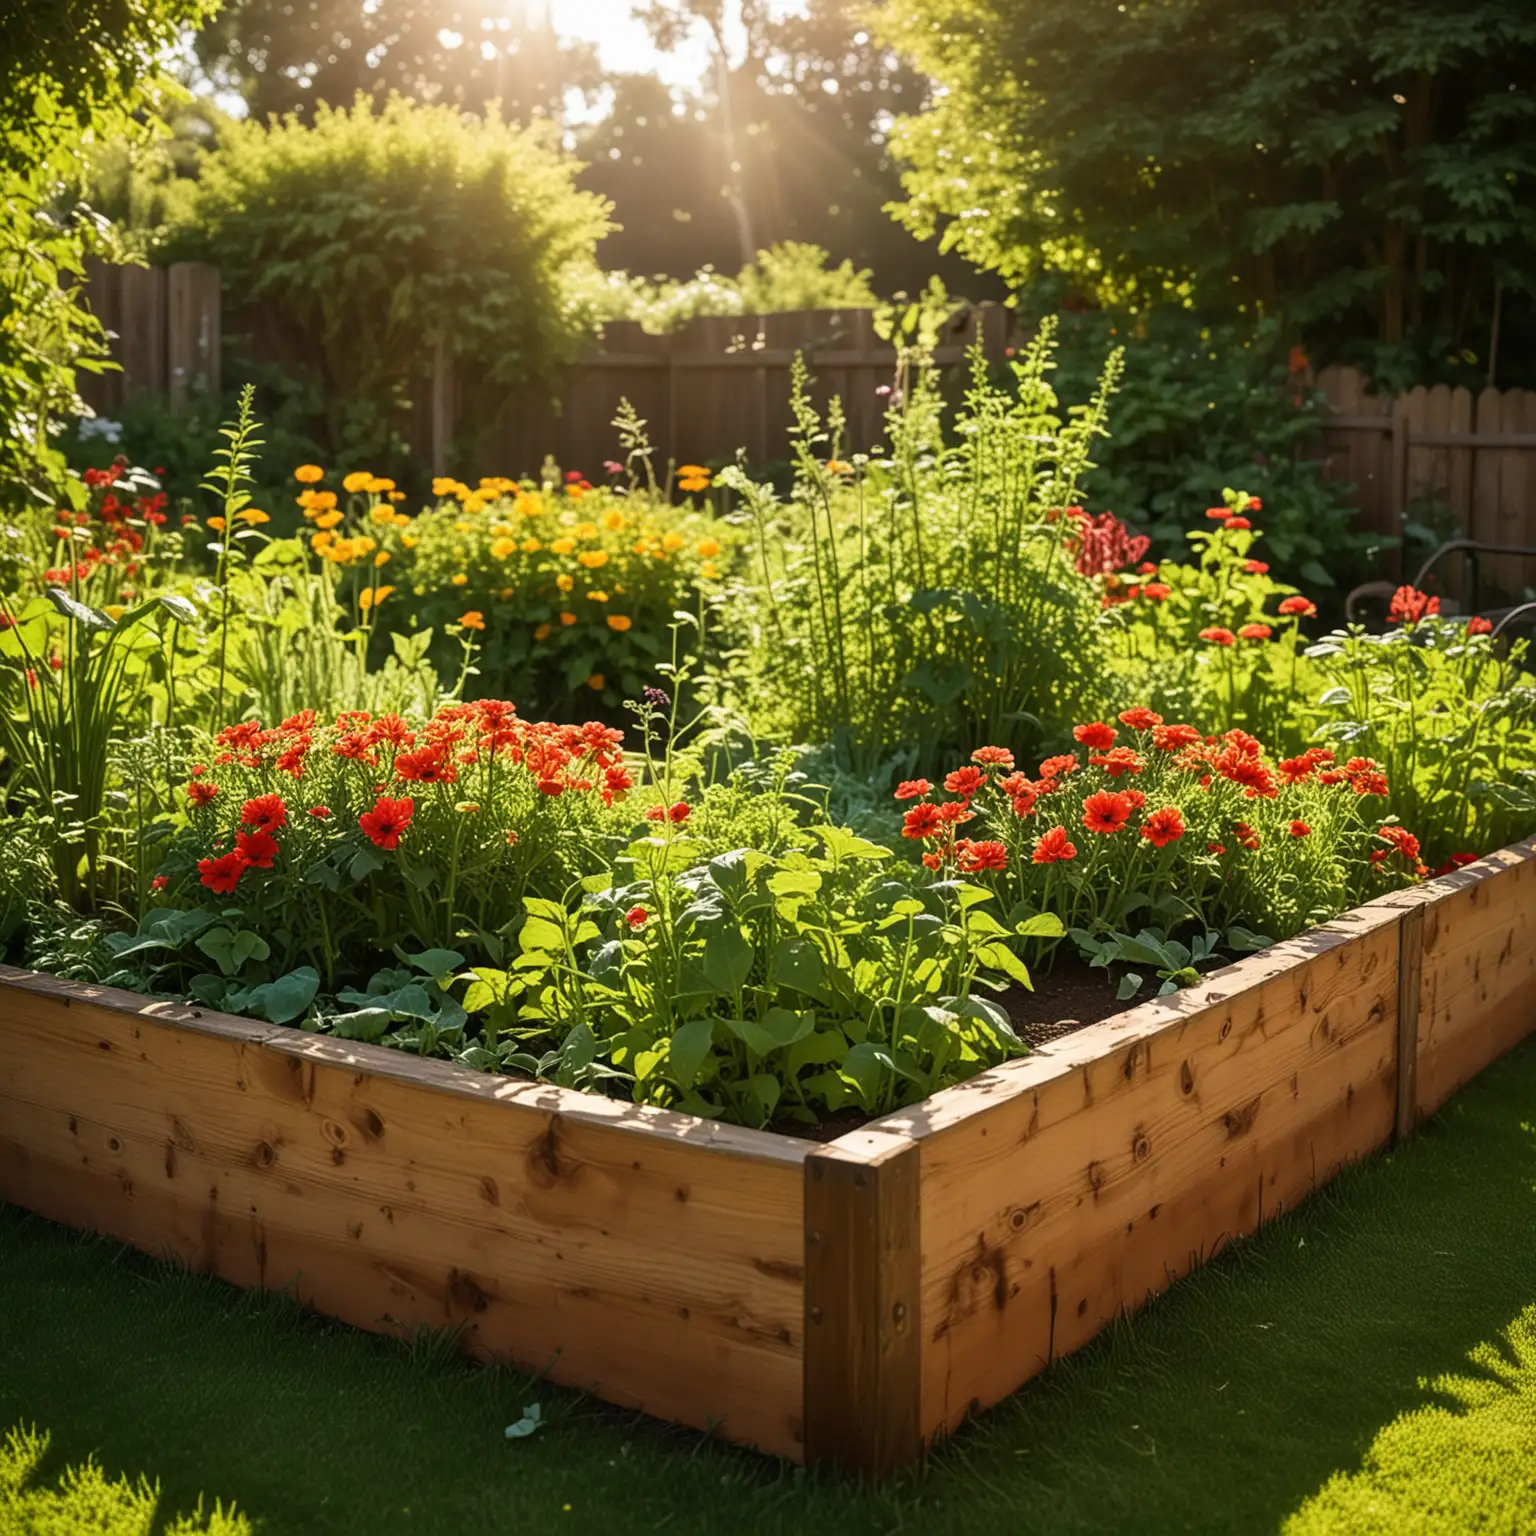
point(1254, 632)
point(1401, 839)
point(387, 820)
point(965, 781)
point(1298, 607)
point(199, 792)
point(1171, 738)
point(1117, 761)
point(993, 757)
point(1218, 513)
point(913, 789)
point(636, 916)
point(429, 765)
point(979, 856)
point(1066, 763)
point(256, 848)
point(1053, 847)
point(679, 812)
point(921, 821)
point(1164, 826)
point(222, 875)
point(264, 812)
point(1157, 591)
point(1107, 811)
point(159, 883)
point(1218, 636)
point(1095, 734)
point(1256, 568)
point(1140, 718)
point(1300, 829)
point(1409, 605)
point(1478, 625)
point(1295, 770)
point(320, 812)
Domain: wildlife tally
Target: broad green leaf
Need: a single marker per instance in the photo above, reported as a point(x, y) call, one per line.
point(688, 1049)
point(727, 959)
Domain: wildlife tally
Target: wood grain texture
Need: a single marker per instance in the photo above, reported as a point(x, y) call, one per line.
point(651, 1258)
point(1477, 989)
point(1064, 1190)
point(862, 1280)
point(1410, 970)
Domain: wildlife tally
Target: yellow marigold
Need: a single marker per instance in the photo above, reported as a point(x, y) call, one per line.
point(379, 486)
point(585, 530)
point(253, 515)
point(544, 631)
point(838, 467)
point(501, 548)
point(320, 542)
point(597, 682)
point(708, 571)
point(217, 524)
point(597, 597)
point(562, 546)
point(531, 546)
point(309, 474)
point(671, 541)
point(708, 548)
point(409, 540)
point(444, 485)
point(397, 495)
point(527, 505)
point(565, 582)
point(358, 480)
point(567, 619)
point(613, 522)
point(307, 499)
point(500, 530)
point(328, 519)
point(619, 622)
point(593, 558)
point(383, 514)
point(460, 579)
point(575, 492)
point(382, 558)
point(340, 552)
point(693, 485)
point(693, 471)
point(475, 503)
point(371, 597)
point(364, 544)
point(474, 619)
point(462, 527)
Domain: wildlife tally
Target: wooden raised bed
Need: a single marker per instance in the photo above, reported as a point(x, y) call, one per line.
point(846, 1304)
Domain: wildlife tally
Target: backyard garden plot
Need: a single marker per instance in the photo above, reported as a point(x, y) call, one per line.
point(843, 1303)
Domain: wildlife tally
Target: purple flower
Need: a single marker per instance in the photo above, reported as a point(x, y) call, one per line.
point(656, 698)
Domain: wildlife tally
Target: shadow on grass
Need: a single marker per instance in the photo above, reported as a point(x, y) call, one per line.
point(1274, 1384)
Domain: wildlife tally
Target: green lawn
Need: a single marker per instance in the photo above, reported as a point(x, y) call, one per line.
point(1368, 1364)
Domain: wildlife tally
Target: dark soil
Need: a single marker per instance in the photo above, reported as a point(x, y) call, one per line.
point(1066, 998)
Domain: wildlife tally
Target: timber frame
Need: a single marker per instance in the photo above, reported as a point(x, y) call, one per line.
point(846, 1304)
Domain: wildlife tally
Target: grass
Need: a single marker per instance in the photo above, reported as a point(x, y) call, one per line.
point(1366, 1364)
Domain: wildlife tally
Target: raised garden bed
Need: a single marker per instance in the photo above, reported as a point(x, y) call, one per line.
point(844, 1303)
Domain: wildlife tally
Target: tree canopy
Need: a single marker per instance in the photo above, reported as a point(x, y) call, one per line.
point(1364, 170)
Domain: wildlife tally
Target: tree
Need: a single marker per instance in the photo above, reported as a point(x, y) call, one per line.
point(1362, 170)
point(284, 57)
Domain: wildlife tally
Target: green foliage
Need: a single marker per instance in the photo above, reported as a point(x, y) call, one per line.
point(925, 601)
point(377, 236)
point(1360, 171)
point(790, 275)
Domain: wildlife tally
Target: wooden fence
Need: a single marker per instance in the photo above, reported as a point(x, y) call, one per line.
point(1458, 462)
point(1461, 463)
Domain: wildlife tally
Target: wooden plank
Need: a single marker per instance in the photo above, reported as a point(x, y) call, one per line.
point(1063, 1190)
point(142, 291)
point(862, 1280)
point(1482, 524)
point(1458, 459)
point(1477, 993)
point(1410, 968)
point(651, 1258)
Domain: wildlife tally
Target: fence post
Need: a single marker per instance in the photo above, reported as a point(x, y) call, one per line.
point(1410, 969)
point(192, 341)
point(142, 291)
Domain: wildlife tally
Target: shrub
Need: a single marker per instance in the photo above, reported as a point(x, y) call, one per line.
point(364, 242)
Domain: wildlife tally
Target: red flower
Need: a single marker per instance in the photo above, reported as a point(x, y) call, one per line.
point(1402, 840)
point(953, 812)
point(1140, 718)
point(1365, 776)
point(1116, 762)
point(200, 793)
point(387, 820)
point(1052, 766)
point(1216, 848)
point(933, 861)
point(1095, 734)
point(1218, 636)
point(1256, 568)
point(1157, 591)
point(1240, 768)
point(1246, 836)
point(320, 812)
point(222, 875)
point(1300, 829)
point(265, 812)
point(1164, 826)
point(1172, 738)
point(1478, 625)
point(1299, 607)
point(1409, 605)
point(679, 812)
point(159, 883)
point(553, 786)
point(980, 856)
point(1255, 632)
point(1456, 861)
point(1107, 811)
point(429, 765)
point(913, 789)
point(921, 821)
point(965, 781)
point(1218, 513)
point(1295, 770)
point(993, 757)
point(256, 848)
point(636, 916)
point(1053, 848)
point(1238, 522)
